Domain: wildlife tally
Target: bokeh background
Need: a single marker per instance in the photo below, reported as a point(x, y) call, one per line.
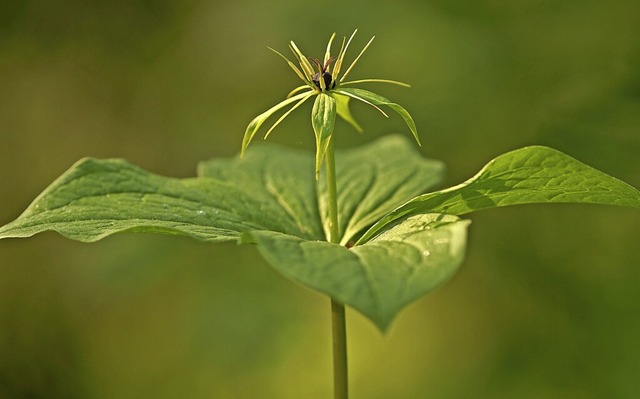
point(547, 304)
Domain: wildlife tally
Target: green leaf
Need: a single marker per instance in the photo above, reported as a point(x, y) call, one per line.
point(529, 175)
point(342, 109)
point(380, 277)
point(275, 173)
point(270, 197)
point(270, 192)
point(323, 119)
point(376, 178)
point(375, 99)
point(270, 189)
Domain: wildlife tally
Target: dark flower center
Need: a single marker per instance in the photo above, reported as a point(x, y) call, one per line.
point(328, 80)
point(329, 83)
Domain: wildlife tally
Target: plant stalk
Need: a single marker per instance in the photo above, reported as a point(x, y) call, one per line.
point(340, 368)
point(332, 194)
point(338, 319)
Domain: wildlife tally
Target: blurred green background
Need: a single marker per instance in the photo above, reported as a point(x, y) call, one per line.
point(546, 305)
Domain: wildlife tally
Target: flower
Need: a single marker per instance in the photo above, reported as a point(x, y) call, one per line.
point(322, 79)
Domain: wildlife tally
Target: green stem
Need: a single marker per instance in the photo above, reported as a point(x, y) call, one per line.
point(332, 194)
point(338, 320)
point(340, 370)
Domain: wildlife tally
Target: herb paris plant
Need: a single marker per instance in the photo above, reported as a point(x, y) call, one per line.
point(364, 232)
point(332, 96)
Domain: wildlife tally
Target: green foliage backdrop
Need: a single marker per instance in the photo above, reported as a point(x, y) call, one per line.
point(545, 305)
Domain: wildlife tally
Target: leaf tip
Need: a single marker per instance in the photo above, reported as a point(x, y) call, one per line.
point(418, 140)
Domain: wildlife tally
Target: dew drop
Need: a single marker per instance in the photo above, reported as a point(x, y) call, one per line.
point(426, 252)
point(200, 212)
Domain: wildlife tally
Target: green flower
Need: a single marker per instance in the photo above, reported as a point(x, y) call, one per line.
point(322, 79)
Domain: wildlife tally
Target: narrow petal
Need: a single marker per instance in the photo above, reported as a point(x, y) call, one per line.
point(343, 51)
point(302, 60)
point(327, 54)
point(356, 60)
point(291, 64)
point(299, 103)
point(336, 68)
point(395, 82)
point(297, 89)
point(255, 124)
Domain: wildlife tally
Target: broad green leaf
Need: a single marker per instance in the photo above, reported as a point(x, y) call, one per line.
point(376, 178)
point(270, 191)
point(270, 197)
point(323, 120)
point(529, 175)
point(375, 99)
point(282, 174)
point(95, 199)
point(380, 277)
